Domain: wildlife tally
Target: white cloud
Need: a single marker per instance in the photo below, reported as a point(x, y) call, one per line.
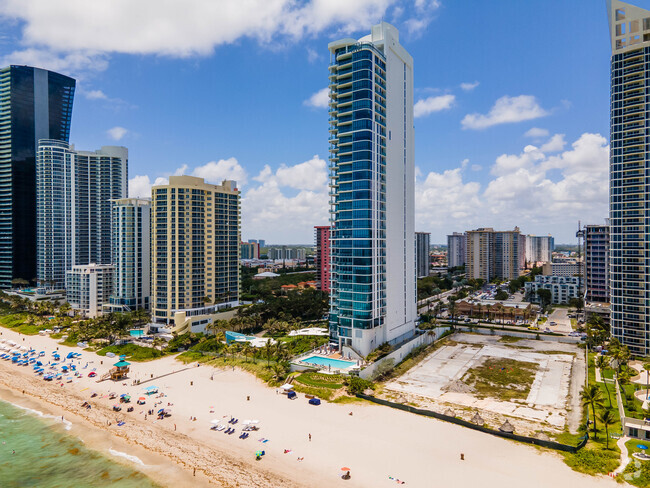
point(477, 167)
point(95, 95)
point(180, 29)
point(538, 192)
point(469, 86)
point(554, 144)
point(506, 110)
point(320, 99)
point(117, 133)
point(536, 133)
point(216, 171)
point(424, 13)
point(140, 185)
point(429, 105)
point(288, 202)
point(75, 63)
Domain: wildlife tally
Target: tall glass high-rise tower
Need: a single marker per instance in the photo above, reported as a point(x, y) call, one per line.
point(629, 209)
point(73, 202)
point(34, 104)
point(372, 190)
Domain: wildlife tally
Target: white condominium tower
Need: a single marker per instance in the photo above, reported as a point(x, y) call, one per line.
point(131, 254)
point(194, 252)
point(372, 190)
point(629, 179)
point(74, 190)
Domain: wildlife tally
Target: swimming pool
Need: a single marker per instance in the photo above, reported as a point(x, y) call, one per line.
point(334, 363)
point(136, 332)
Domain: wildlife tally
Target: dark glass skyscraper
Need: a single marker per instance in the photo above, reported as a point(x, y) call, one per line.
point(34, 104)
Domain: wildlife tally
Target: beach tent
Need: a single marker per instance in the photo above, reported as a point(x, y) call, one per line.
point(287, 387)
point(215, 421)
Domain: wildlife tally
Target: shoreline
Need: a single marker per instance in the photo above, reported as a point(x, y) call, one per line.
point(379, 444)
point(161, 464)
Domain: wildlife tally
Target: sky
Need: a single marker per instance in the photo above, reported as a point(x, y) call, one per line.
point(511, 101)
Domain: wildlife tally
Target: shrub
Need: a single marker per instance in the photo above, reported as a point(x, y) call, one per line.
point(358, 385)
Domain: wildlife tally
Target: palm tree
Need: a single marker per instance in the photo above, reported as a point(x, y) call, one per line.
point(602, 362)
point(623, 379)
point(608, 419)
point(591, 396)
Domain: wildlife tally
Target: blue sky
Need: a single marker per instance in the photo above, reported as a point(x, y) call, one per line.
point(512, 100)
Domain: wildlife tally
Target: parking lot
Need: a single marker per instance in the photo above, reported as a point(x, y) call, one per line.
point(561, 317)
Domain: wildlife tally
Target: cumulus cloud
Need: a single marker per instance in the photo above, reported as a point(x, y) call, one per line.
point(537, 191)
point(288, 202)
point(140, 185)
point(506, 110)
point(117, 133)
point(537, 133)
point(216, 171)
point(180, 29)
point(312, 55)
point(320, 99)
point(554, 144)
point(469, 86)
point(429, 105)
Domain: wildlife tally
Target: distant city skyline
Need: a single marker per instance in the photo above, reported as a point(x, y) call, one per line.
point(507, 133)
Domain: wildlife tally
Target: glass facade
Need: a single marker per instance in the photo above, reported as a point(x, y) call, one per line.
point(358, 188)
point(34, 104)
point(629, 211)
point(73, 200)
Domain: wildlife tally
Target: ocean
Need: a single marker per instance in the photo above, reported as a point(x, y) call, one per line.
point(36, 452)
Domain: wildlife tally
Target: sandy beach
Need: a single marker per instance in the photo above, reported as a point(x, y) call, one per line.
point(380, 445)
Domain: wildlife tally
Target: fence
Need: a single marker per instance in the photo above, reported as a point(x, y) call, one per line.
point(515, 437)
point(399, 354)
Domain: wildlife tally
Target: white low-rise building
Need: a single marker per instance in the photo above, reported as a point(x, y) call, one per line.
point(89, 287)
point(563, 288)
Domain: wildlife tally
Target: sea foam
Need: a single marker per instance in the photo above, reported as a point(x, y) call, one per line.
point(66, 423)
point(133, 459)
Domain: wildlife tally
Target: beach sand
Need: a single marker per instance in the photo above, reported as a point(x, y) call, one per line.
point(379, 444)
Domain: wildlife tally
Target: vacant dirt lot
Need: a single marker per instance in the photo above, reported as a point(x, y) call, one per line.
point(498, 377)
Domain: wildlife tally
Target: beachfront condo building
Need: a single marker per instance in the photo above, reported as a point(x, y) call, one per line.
point(422, 259)
point(456, 249)
point(74, 190)
point(34, 104)
point(494, 254)
point(195, 236)
point(629, 259)
point(323, 257)
point(539, 249)
point(372, 296)
point(131, 221)
point(88, 288)
point(597, 263)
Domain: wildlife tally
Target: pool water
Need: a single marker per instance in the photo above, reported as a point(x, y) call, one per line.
point(334, 363)
point(136, 333)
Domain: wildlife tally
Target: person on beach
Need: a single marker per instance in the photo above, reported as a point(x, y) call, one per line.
point(309, 437)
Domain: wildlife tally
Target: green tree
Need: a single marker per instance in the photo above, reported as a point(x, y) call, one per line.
point(607, 418)
point(545, 297)
point(591, 396)
point(602, 362)
point(501, 295)
point(452, 309)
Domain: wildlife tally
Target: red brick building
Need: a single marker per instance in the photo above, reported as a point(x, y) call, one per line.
point(322, 260)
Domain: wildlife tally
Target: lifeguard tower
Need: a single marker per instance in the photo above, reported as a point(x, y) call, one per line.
point(118, 372)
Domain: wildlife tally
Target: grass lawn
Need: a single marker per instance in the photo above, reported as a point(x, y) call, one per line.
point(510, 339)
point(19, 322)
point(501, 378)
point(637, 472)
point(133, 352)
point(318, 380)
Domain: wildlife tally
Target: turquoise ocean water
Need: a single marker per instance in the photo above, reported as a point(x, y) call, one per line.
point(46, 457)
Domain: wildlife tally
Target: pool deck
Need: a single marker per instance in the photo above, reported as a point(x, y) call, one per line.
point(335, 356)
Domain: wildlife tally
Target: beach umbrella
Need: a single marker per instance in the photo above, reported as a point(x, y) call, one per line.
point(344, 468)
point(507, 427)
point(162, 410)
point(258, 453)
point(215, 421)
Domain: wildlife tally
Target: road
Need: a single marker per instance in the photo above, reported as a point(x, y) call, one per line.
point(561, 316)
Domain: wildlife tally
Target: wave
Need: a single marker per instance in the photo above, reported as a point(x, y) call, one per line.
point(133, 459)
point(38, 413)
